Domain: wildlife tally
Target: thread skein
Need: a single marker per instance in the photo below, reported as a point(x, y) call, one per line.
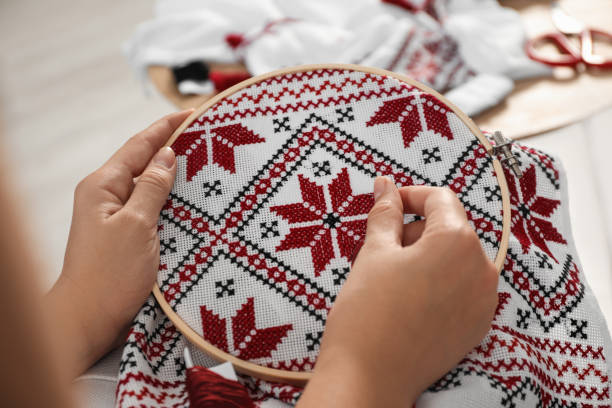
point(207, 389)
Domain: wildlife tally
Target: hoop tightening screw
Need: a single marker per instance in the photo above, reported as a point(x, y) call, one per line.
point(502, 147)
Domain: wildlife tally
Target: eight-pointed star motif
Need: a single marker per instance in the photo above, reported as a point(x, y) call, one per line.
point(316, 224)
point(525, 204)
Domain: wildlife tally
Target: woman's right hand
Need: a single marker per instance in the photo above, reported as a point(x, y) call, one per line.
point(419, 297)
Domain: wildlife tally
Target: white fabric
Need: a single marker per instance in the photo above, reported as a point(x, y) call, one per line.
point(366, 32)
point(484, 89)
point(491, 39)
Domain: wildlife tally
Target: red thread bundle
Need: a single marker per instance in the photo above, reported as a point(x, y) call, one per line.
point(226, 79)
point(208, 389)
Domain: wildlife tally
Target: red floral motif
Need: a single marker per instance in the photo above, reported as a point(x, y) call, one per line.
point(347, 220)
point(404, 110)
point(249, 341)
point(526, 227)
point(225, 138)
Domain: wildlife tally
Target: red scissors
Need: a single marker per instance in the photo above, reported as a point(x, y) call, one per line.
point(569, 55)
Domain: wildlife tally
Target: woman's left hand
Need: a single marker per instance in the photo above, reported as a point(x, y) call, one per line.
point(112, 255)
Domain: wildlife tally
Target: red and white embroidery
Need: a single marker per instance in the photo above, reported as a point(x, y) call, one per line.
point(269, 207)
point(413, 121)
point(337, 231)
point(250, 342)
point(529, 211)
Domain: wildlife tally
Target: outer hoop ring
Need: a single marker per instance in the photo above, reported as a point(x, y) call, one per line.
point(301, 377)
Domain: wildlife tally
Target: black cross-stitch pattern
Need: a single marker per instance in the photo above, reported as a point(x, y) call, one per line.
point(543, 260)
point(523, 317)
point(546, 323)
point(577, 328)
point(345, 115)
point(269, 229)
point(431, 155)
point(339, 275)
point(322, 168)
point(224, 288)
point(167, 246)
point(134, 346)
point(179, 365)
point(313, 340)
point(492, 194)
point(510, 396)
point(128, 361)
point(281, 124)
point(211, 189)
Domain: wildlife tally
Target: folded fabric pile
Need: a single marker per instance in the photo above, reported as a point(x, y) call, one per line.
point(472, 50)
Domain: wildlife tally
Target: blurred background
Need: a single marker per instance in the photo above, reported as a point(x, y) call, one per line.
point(69, 95)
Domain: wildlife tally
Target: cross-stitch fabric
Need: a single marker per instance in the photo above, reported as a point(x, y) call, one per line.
point(269, 208)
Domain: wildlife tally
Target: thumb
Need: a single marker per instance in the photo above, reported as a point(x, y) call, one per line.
point(386, 218)
point(153, 186)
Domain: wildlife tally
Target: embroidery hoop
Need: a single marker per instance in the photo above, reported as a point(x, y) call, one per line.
point(301, 377)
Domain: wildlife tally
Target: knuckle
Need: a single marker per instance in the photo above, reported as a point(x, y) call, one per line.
point(382, 208)
point(136, 218)
point(447, 193)
point(369, 245)
point(85, 185)
point(459, 233)
point(81, 187)
point(156, 179)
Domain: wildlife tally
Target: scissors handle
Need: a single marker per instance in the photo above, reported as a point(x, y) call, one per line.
point(586, 42)
point(568, 56)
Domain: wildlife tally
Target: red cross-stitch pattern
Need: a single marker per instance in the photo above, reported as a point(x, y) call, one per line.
point(529, 211)
point(346, 220)
point(224, 139)
point(431, 57)
point(249, 341)
point(327, 218)
point(258, 275)
point(412, 124)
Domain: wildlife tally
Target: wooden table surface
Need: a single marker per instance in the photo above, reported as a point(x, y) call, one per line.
point(542, 104)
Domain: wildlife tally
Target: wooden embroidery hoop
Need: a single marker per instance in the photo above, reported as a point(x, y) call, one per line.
point(300, 378)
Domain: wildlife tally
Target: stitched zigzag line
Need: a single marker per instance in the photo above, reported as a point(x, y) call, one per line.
point(177, 387)
point(555, 345)
point(269, 111)
point(285, 91)
point(307, 75)
point(558, 387)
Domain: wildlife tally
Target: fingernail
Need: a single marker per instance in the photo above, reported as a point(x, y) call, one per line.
point(165, 157)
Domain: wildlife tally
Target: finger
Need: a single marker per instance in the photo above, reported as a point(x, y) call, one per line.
point(440, 206)
point(386, 218)
point(412, 232)
point(153, 186)
point(131, 159)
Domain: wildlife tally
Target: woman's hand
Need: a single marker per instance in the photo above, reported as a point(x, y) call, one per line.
point(418, 298)
point(112, 255)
